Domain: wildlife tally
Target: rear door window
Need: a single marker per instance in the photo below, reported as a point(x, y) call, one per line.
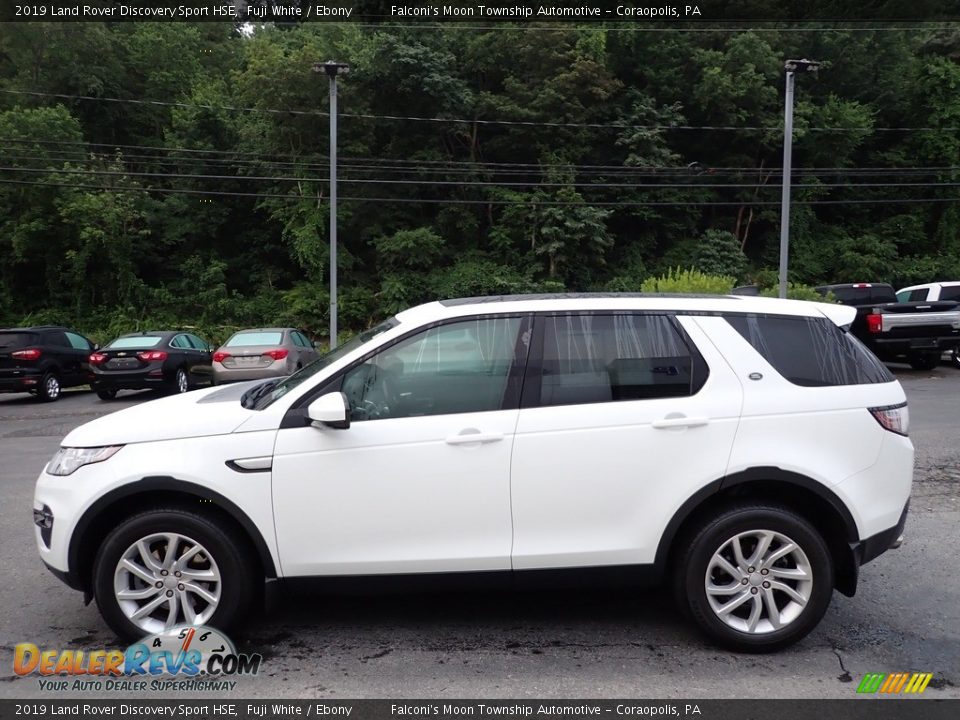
point(77, 341)
point(809, 351)
point(950, 292)
point(594, 358)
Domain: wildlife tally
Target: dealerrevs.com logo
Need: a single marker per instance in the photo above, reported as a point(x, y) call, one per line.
point(894, 683)
point(179, 658)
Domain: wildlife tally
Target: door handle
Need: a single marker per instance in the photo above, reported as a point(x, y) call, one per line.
point(473, 437)
point(679, 422)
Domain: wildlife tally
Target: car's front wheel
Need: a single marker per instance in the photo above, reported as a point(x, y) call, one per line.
point(755, 577)
point(169, 567)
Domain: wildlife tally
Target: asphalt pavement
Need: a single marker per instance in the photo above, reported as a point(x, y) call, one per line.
point(904, 618)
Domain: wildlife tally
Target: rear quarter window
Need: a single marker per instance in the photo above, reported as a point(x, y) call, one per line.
point(14, 340)
point(809, 351)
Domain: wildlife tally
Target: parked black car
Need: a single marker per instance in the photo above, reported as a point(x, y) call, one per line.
point(43, 360)
point(168, 360)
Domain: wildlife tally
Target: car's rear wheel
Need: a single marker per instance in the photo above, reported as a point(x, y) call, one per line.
point(181, 382)
point(924, 361)
point(168, 567)
point(106, 394)
point(755, 577)
point(49, 388)
point(955, 358)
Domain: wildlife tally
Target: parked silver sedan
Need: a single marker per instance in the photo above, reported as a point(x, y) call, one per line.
point(262, 353)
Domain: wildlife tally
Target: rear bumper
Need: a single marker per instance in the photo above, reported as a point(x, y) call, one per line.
point(903, 346)
point(22, 382)
point(138, 380)
point(875, 545)
point(227, 375)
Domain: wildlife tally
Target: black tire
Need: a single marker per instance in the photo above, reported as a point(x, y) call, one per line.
point(693, 560)
point(107, 394)
point(924, 361)
point(49, 389)
point(231, 554)
point(955, 358)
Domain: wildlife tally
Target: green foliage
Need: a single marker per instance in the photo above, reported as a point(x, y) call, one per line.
point(690, 280)
point(798, 291)
point(587, 187)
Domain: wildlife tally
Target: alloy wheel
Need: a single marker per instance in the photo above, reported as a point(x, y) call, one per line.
point(182, 384)
point(166, 579)
point(759, 581)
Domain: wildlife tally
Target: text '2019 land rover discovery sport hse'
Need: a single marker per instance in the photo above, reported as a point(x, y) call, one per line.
point(748, 451)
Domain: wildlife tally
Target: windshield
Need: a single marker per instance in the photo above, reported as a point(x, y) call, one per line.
point(249, 339)
point(259, 400)
point(140, 341)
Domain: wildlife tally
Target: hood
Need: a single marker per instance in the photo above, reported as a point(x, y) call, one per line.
point(212, 411)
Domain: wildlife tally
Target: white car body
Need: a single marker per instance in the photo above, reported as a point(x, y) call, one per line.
point(584, 485)
point(930, 292)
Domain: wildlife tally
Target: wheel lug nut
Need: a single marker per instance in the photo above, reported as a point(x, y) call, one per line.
point(766, 584)
point(742, 582)
point(753, 591)
point(164, 573)
point(764, 571)
point(751, 569)
point(180, 586)
point(178, 573)
point(170, 592)
point(159, 583)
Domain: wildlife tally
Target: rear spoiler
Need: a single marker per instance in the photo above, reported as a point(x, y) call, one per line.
point(842, 315)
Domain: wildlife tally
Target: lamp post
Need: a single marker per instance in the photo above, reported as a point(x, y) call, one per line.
point(332, 69)
point(791, 67)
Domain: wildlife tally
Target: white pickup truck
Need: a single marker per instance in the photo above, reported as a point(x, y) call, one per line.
point(949, 290)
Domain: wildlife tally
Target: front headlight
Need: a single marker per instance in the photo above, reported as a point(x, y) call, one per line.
point(68, 460)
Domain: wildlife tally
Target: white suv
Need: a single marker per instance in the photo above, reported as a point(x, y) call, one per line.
point(749, 451)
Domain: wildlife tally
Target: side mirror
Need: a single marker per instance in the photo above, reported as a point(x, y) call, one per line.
point(332, 410)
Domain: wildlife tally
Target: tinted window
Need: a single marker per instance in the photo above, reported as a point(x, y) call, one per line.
point(180, 341)
point(299, 339)
point(918, 295)
point(196, 342)
point(849, 295)
point(78, 342)
point(457, 368)
point(605, 358)
point(56, 339)
point(248, 339)
point(14, 340)
point(138, 341)
point(950, 292)
point(812, 352)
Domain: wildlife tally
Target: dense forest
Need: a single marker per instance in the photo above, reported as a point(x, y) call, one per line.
point(177, 174)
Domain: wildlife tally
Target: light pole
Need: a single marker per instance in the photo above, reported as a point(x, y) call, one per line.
point(332, 69)
point(792, 67)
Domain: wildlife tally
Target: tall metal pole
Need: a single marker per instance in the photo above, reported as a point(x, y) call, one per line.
point(785, 198)
point(333, 210)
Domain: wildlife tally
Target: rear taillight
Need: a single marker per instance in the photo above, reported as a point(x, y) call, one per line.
point(151, 355)
point(278, 354)
point(31, 354)
point(895, 418)
point(97, 358)
point(875, 322)
point(220, 356)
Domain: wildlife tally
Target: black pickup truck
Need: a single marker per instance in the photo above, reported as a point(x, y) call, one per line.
point(915, 332)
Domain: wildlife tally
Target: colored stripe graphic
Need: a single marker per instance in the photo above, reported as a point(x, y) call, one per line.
point(894, 683)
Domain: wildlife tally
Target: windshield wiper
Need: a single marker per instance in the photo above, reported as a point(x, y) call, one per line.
point(250, 397)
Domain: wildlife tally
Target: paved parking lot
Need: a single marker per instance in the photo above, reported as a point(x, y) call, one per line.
point(906, 616)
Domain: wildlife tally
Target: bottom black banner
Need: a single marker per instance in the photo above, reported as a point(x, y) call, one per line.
point(854, 709)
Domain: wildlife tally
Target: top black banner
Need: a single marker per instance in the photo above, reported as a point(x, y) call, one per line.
point(691, 14)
